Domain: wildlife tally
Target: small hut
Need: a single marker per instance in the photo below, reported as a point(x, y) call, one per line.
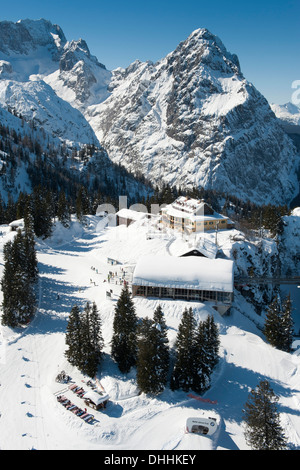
point(96, 400)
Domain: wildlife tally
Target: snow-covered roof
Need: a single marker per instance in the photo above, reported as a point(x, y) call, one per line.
point(96, 397)
point(131, 214)
point(17, 223)
point(190, 272)
point(206, 247)
point(192, 209)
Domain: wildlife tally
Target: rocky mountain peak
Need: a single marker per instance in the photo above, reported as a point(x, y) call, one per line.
point(75, 51)
point(204, 48)
point(27, 35)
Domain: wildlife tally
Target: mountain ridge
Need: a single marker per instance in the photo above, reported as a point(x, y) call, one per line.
point(190, 119)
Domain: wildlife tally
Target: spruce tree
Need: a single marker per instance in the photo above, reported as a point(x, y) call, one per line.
point(262, 420)
point(287, 324)
point(183, 372)
point(42, 213)
point(153, 354)
point(202, 362)
point(92, 340)
point(63, 210)
point(146, 350)
point(279, 324)
point(163, 352)
point(18, 281)
point(272, 328)
point(74, 339)
point(84, 339)
point(212, 341)
point(31, 266)
point(124, 339)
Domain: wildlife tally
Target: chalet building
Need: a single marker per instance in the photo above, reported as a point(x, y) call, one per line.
point(192, 215)
point(128, 216)
point(188, 278)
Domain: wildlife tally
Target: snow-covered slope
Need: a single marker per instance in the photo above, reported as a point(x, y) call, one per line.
point(36, 101)
point(33, 53)
point(73, 264)
point(191, 119)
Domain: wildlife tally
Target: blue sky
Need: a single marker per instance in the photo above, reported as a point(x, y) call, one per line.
point(264, 34)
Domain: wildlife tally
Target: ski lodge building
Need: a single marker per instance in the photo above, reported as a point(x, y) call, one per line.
point(188, 278)
point(192, 215)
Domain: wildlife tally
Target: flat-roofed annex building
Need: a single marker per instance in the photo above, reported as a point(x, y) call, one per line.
point(187, 278)
point(193, 215)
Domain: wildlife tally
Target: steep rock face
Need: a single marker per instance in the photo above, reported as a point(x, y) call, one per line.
point(192, 119)
point(27, 35)
point(81, 72)
point(36, 101)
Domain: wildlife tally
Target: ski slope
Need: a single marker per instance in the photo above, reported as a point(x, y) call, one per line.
point(73, 269)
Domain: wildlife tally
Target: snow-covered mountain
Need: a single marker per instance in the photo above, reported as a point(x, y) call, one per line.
point(191, 119)
point(289, 115)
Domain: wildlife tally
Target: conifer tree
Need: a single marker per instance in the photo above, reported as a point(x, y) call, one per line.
point(272, 328)
point(124, 339)
point(42, 214)
point(63, 210)
point(18, 281)
point(212, 341)
point(262, 420)
point(278, 327)
point(163, 352)
point(153, 354)
point(287, 324)
point(84, 339)
point(202, 362)
point(146, 350)
point(92, 340)
point(183, 372)
point(30, 255)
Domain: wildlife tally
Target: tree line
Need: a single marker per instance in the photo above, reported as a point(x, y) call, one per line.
point(19, 280)
point(144, 345)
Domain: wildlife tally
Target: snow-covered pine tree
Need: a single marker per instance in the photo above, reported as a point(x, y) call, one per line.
point(183, 372)
point(212, 341)
point(287, 324)
point(96, 333)
point(262, 420)
point(146, 357)
point(92, 341)
point(63, 210)
point(153, 354)
point(272, 327)
point(202, 360)
point(42, 213)
point(18, 281)
point(279, 325)
point(163, 351)
point(74, 339)
point(124, 339)
point(30, 255)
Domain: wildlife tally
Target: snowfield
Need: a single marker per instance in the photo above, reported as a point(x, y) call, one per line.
point(74, 269)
